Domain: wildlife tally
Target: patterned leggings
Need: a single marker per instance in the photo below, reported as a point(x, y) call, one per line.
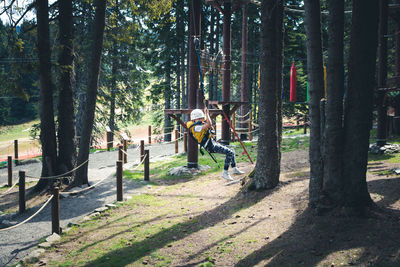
point(215, 147)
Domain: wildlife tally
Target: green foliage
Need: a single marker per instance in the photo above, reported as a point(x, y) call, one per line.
point(18, 91)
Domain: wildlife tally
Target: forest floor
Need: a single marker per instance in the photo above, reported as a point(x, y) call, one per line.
point(199, 221)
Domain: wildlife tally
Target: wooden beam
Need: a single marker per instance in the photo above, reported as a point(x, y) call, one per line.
point(178, 120)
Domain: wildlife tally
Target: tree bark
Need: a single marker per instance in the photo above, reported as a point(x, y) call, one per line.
point(66, 111)
point(47, 125)
point(268, 156)
point(333, 179)
point(382, 73)
point(167, 104)
point(316, 86)
point(93, 79)
point(359, 102)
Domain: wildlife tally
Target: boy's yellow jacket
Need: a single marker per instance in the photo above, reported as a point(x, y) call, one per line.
point(202, 136)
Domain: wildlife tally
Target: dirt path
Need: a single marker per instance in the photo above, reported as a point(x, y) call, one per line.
point(200, 221)
point(19, 242)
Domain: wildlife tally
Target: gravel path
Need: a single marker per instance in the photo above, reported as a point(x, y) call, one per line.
point(19, 242)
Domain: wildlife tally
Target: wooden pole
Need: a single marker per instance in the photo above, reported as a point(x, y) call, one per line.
point(9, 167)
point(149, 134)
point(244, 86)
point(176, 141)
point(126, 151)
point(185, 141)
point(226, 76)
point(193, 86)
point(21, 184)
point(141, 150)
point(119, 181)
point(120, 154)
point(250, 127)
point(234, 126)
point(16, 152)
point(55, 211)
point(147, 165)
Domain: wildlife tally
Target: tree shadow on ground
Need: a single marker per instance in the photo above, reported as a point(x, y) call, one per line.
point(179, 231)
point(311, 240)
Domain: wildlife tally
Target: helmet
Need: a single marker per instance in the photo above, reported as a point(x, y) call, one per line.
point(197, 114)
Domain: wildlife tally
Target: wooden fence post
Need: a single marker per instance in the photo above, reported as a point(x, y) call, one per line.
point(141, 150)
point(149, 134)
point(120, 154)
point(9, 168)
point(125, 142)
point(147, 165)
point(185, 141)
point(16, 152)
point(21, 184)
point(119, 181)
point(55, 211)
point(176, 141)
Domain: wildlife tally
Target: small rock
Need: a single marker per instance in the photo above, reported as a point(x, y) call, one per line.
point(237, 216)
point(54, 237)
point(101, 209)
point(145, 262)
point(149, 186)
point(169, 245)
point(44, 245)
point(94, 214)
point(111, 205)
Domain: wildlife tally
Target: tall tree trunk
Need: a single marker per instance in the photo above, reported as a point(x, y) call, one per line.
point(93, 80)
point(114, 70)
point(244, 78)
point(216, 51)
point(382, 72)
point(316, 86)
point(359, 102)
point(333, 180)
point(268, 165)
point(167, 104)
point(279, 31)
point(66, 112)
point(211, 40)
point(47, 125)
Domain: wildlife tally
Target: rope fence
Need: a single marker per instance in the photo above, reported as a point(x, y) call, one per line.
point(60, 175)
point(8, 190)
point(28, 219)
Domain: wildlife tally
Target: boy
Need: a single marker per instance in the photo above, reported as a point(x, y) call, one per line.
point(199, 128)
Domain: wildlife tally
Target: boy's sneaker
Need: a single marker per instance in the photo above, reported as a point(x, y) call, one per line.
point(226, 175)
point(235, 170)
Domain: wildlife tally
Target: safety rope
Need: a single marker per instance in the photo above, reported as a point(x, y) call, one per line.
point(30, 218)
point(242, 116)
point(9, 189)
point(240, 121)
point(140, 163)
point(61, 175)
point(84, 189)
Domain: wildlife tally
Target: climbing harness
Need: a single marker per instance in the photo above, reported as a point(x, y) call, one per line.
point(204, 142)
